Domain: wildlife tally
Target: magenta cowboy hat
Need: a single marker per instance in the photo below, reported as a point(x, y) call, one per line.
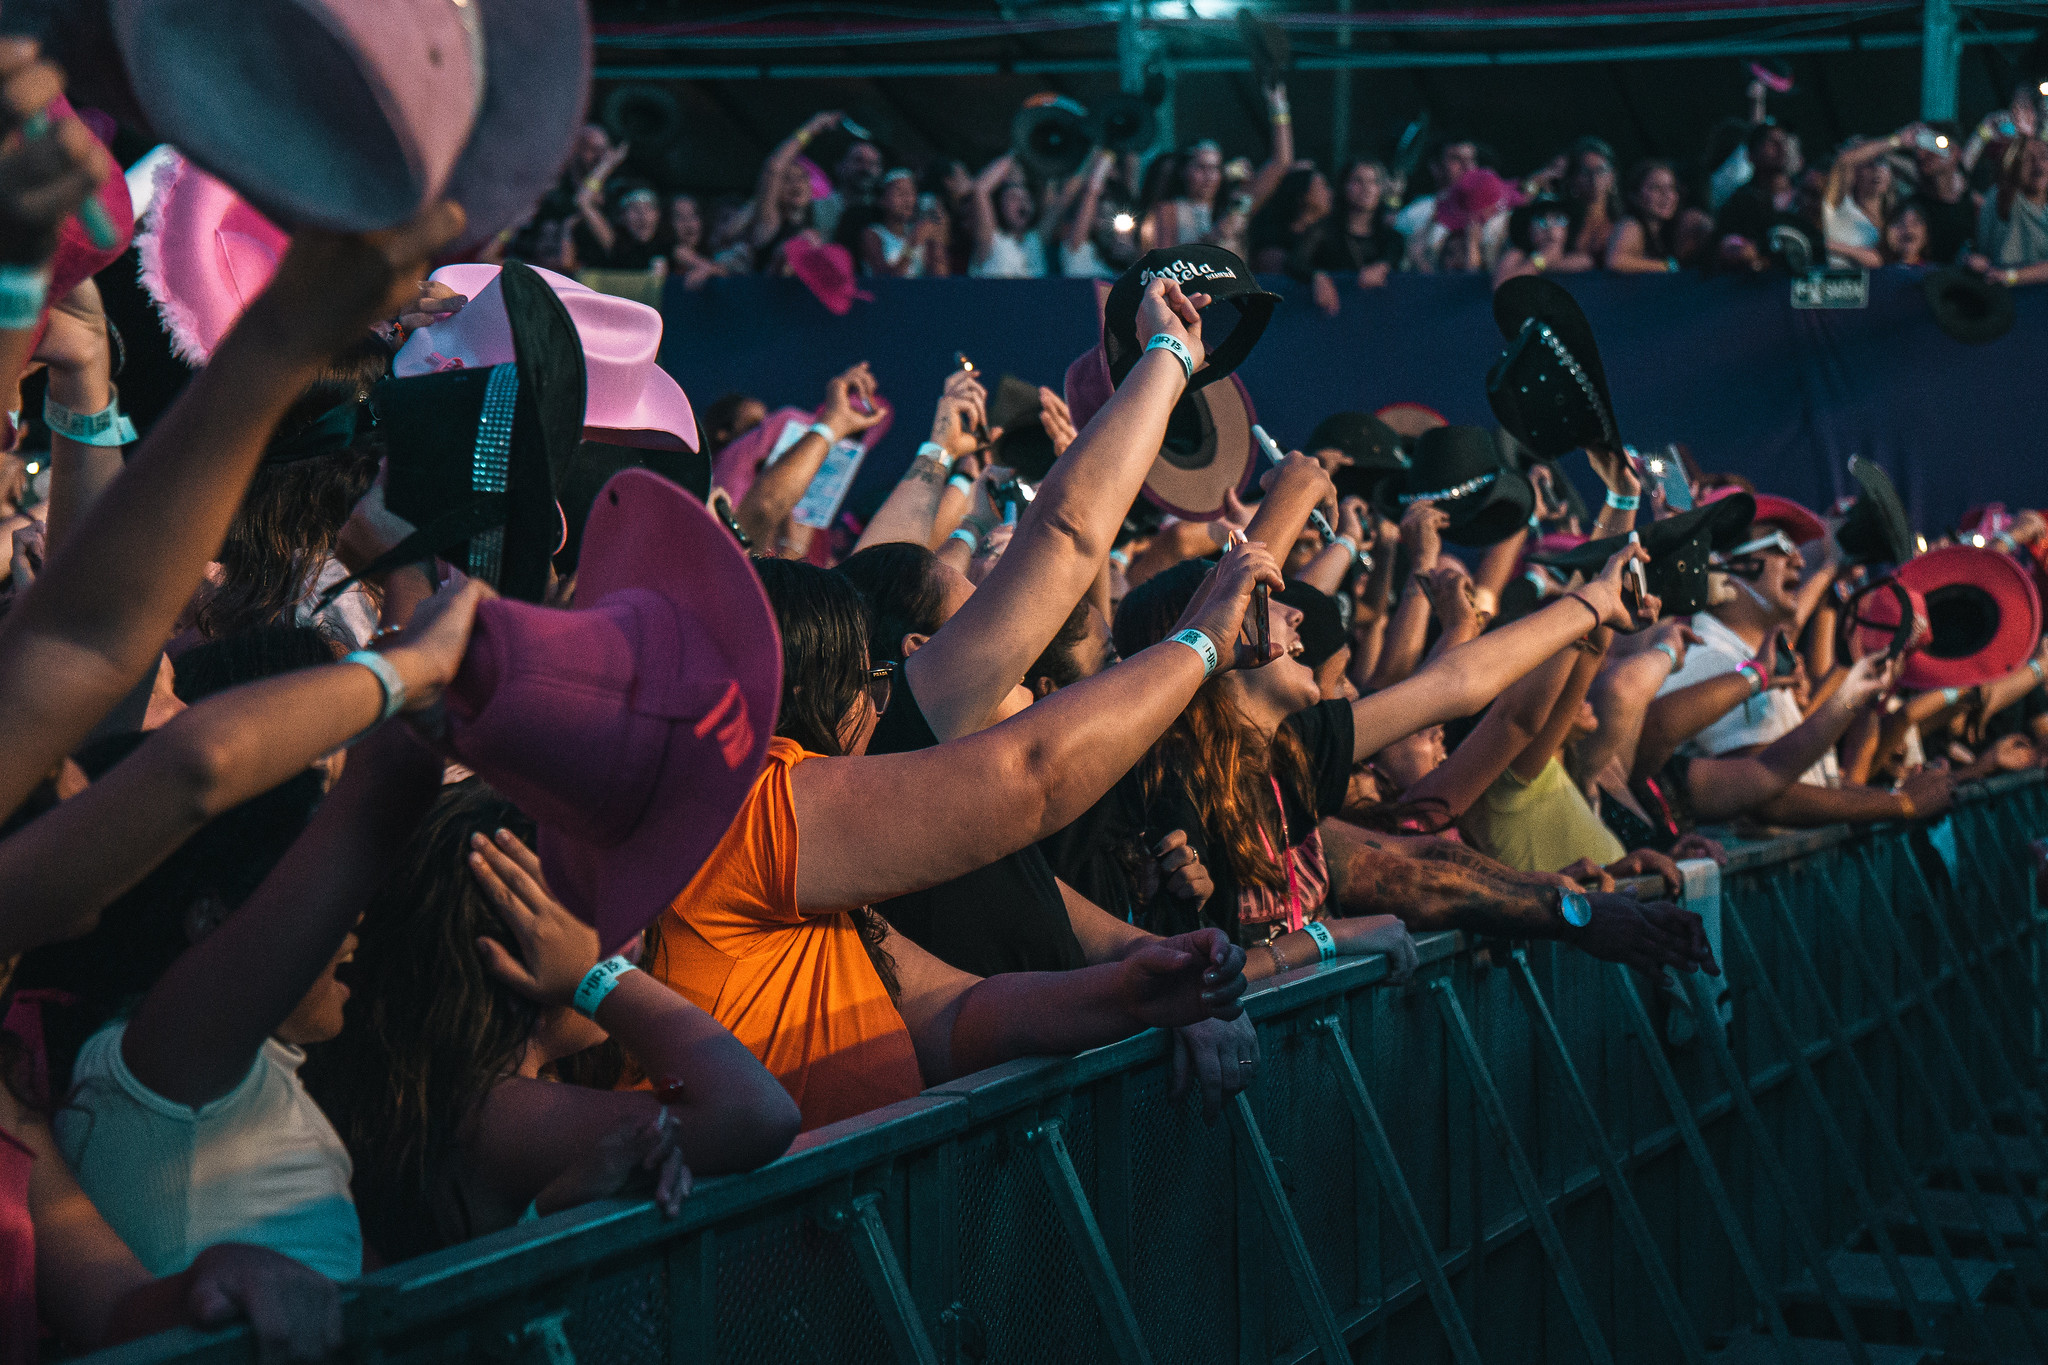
point(205, 255)
point(354, 114)
point(826, 269)
point(631, 401)
point(632, 726)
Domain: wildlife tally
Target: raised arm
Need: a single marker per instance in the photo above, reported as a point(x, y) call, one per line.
point(777, 489)
point(912, 507)
point(981, 209)
point(1421, 536)
point(197, 1031)
point(1025, 778)
point(1280, 123)
point(1623, 691)
point(1501, 737)
point(98, 616)
point(766, 209)
point(1082, 221)
point(724, 1112)
point(1063, 538)
point(1677, 716)
point(74, 350)
point(1473, 674)
point(1548, 742)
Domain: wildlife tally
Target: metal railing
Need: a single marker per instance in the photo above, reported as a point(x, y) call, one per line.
point(1504, 1160)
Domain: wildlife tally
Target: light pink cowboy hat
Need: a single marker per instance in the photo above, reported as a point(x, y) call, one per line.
point(205, 255)
point(632, 400)
point(632, 727)
point(354, 114)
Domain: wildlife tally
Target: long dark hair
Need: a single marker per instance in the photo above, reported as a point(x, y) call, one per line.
point(1656, 236)
point(903, 595)
point(1273, 224)
point(293, 511)
point(430, 1032)
point(1211, 748)
point(824, 625)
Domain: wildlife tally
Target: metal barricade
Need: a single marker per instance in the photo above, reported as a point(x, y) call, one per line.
point(1504, 1160)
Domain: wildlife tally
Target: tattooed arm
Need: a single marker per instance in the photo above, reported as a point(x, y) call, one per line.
point(1434, 884)
point(913, 506)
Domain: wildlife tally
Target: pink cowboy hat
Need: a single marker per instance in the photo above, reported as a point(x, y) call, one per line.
point(827, 271)
point(205, 255)
point(1788, 516)
point(354, 114)
point(1474, 198)
point(631, 401)
point(631, 727)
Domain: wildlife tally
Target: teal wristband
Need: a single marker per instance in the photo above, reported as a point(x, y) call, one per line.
point(1621, 503)
point(1326, 942)
point(387, 678)
point(599, 982)
point(1201, 644)
point(1166, 341)
point(23, 291)
point(107, 427)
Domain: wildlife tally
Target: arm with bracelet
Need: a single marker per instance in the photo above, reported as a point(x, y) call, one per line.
point(81, 408)
point(713, 1108)
point(197, 1032)
point(1677, 716)
point(1624, 493)
point(849, 410)
point(1321, 941)
point(913, 508)
point(965, 671)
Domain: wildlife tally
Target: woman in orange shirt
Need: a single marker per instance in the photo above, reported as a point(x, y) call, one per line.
point(773, 937)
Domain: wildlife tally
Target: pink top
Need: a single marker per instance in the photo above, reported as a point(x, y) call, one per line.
point(19, 1332)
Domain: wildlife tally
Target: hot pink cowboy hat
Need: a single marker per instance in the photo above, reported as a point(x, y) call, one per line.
point(354, 114)
point(77, 259)
point(205, 255)
point(826, 269)
point(632, 727)
point(1788, 516)
point(632, 400)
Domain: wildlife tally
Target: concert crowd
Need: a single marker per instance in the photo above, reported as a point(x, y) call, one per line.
point(449, 779)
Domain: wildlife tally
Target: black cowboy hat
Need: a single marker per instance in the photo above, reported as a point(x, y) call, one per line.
point(1969, 307)
point(1679, 549)
point(1877, 531)
point(1373, 448)
point(1024, 445)
point(1460, 470)
point(1267, 46)
point(1548, 388)
point(477, 458)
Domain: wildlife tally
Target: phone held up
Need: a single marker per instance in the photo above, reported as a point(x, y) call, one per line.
point(1258, 618)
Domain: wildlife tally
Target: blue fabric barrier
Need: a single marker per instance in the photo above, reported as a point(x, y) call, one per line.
point(1726, 365)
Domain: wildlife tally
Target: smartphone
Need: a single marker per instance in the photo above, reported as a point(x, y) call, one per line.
point(1259, 617)
point(1272, 455)
point(1783, 661)
point(1927, 140)
point(1635, 583)
point(961, 362)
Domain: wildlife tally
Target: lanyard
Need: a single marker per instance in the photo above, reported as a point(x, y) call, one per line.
point(1294, 918)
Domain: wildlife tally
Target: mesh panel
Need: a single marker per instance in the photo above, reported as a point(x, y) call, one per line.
point(790, 1293)
point(621, 1318)
point(1183, 1248)
point(1308, 1127)
point(1019, 1273)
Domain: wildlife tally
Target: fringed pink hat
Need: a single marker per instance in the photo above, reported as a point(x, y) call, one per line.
point(205, 255)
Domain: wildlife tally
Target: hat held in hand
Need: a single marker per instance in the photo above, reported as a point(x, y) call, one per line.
point(632, 726)
point(1876, 530)
point(1207, 452)
point(353, 115)
point(1983, 616)
point(1681, 550)
point(1459, 471)
point(1548, 388)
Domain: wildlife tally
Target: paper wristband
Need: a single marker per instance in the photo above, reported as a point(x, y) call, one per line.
point(1622, 504)
point(108, 427)
point(1200, 643)
point(1326, 942)
point(387, 678)
point(823, 433)
point(1166, 341)
point(938, 454)
point(599, 982)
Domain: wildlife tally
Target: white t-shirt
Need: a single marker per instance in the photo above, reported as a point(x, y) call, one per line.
point(1020, 257)
point(352, 616)
point(261, 1164)
point(1848, 225)
point(1084, 262)
point(1415, 216)
point(1768, 716)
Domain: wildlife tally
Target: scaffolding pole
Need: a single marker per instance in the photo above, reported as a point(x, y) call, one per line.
point(1941, 60)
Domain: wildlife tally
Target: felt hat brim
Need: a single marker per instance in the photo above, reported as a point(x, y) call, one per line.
point(1876, 531)
point(1969, 307)
point(1983, 611)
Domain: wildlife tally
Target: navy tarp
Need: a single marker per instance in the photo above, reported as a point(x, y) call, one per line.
point(1726, 365)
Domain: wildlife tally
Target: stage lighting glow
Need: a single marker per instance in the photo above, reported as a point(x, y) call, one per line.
point(1123, 222)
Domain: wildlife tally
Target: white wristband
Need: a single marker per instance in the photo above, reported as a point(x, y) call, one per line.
point(599, 982)
point(107, 427)
point(1202, 645)
point(829, 436)
point(387, 679)
point(932, 450)
point(1326, 942)
point(1167, 341)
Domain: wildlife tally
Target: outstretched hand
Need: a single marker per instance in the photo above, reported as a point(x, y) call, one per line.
point(556, 950)
point(1219, 606)
point(1653, 936)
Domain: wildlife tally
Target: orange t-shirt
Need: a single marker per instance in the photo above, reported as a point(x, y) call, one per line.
point(797, 989)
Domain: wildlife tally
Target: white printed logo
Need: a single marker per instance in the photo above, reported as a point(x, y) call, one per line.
point(1180, 272)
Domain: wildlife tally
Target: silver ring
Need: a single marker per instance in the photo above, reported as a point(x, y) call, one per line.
point(1244, 1061)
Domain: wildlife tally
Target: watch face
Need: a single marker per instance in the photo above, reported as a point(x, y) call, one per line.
point(1578, 911)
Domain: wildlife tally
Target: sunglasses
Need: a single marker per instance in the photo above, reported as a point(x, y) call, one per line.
point(1776, 543)
point(881, 680)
